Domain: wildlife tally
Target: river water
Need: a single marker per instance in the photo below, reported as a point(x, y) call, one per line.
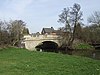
point(85, 53)
point(97, 54)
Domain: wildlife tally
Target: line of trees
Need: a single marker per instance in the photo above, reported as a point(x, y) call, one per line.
point(12, 32)
point(93, 31)
point(72, 19)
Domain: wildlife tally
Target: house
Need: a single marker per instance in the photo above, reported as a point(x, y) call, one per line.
point(51, 31)
point(47, 30)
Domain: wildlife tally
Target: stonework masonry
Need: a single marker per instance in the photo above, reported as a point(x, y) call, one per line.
point(31, 42)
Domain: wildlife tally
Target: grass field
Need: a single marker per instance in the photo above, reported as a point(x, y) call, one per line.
point(15, 61)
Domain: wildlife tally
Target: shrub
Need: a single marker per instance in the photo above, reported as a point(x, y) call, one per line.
point(83, 46)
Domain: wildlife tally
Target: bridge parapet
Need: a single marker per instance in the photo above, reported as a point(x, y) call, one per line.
point(29, 37)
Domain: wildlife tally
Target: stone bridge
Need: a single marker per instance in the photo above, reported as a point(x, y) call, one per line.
point(31, 42)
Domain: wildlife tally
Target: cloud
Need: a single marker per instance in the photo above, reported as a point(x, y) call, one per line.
point(14, 9)
point(41, 13)
point(18, 6)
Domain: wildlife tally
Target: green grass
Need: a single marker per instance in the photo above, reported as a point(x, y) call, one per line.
point(15, 61)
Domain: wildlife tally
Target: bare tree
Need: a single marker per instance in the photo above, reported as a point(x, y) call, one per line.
point(3, 33)
point(95, 18)
point(64, 18)
point(16, 30)
point(94, 27)
point(71, 17)
point(75, 18)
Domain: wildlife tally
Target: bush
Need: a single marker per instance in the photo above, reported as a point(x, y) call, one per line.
point(83, 46)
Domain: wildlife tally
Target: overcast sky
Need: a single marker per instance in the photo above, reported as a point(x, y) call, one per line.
point(43, 13)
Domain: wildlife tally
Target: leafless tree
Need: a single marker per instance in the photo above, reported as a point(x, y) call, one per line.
point(94, 18)
point(71, 17)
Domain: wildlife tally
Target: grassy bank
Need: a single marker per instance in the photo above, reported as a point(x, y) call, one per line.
point(15, 61)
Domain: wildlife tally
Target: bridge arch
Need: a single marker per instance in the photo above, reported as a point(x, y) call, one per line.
point(48, 46)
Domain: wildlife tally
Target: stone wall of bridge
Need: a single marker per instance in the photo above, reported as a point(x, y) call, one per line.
point(31, 42)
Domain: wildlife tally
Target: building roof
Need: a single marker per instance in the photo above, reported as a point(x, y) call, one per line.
point(48, 30)
point(51, 30)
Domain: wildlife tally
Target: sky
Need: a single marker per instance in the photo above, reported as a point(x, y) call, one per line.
point(38, 14)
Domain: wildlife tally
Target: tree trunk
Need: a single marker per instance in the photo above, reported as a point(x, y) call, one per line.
point(70, 42)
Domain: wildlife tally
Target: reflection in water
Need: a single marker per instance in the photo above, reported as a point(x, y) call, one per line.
point(97, 54)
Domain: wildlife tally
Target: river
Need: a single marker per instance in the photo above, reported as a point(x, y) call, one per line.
point(86, 53)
